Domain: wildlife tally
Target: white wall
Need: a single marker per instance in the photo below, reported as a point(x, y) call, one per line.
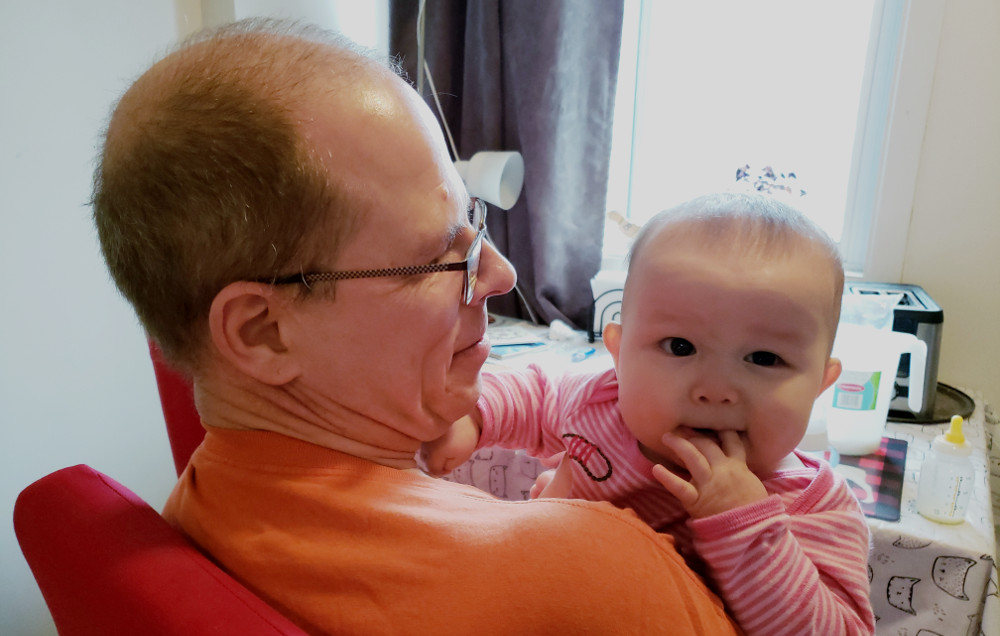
point(953, 250)
point(76, 384)
point(75, 381)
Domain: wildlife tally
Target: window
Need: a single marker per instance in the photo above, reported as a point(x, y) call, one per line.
point(807, 88)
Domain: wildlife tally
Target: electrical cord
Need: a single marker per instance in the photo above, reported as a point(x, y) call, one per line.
point(424, 71)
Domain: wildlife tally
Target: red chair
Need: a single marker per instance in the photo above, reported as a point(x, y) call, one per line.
point(184, 427)
point(107, 563)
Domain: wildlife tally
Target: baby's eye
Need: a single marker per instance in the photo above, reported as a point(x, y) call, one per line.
point(678, 346)
point(763, 358)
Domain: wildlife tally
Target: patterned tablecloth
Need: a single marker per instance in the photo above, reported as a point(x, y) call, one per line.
point(927, 578)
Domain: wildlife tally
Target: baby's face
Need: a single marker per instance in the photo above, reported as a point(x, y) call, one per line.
point(715, 340)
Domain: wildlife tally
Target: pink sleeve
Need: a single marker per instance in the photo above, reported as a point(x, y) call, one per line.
point(782, 574)
point(523, 409)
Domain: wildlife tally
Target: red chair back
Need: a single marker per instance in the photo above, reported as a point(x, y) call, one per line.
point(184, 427)
point(107, 563)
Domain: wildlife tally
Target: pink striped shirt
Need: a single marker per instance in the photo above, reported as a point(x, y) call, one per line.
point(794, 563)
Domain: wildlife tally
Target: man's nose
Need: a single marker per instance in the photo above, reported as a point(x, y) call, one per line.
point(496, 274)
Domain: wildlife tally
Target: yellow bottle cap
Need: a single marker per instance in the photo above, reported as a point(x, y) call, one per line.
point(954, 434)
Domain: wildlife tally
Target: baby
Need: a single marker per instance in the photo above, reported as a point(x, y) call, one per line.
point(728, 318)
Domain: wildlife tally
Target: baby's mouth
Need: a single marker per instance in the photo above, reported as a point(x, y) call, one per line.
point(690, 431)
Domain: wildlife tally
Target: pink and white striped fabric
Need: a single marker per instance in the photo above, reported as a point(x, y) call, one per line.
point(794, 563)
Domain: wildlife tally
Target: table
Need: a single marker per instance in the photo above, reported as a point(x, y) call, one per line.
point(927, 578)
point(930, 578)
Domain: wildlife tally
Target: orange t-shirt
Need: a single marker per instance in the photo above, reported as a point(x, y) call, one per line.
point(342, 545)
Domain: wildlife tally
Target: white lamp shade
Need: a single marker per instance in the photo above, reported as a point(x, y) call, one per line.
point(496, 177)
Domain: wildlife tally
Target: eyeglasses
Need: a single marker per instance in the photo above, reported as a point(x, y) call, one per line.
point(477, 217)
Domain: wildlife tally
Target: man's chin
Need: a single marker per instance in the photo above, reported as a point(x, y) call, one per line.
point(460, 399)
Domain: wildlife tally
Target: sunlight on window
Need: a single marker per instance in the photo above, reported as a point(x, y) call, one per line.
point(708, 87)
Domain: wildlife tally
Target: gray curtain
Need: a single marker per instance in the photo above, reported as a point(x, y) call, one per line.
point(537, 76)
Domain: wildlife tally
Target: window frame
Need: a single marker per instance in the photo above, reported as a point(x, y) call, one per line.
point(890, 198)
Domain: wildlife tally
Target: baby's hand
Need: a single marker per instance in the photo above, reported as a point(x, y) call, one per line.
point(555, 483)
point(452, 449)
point(719, 477)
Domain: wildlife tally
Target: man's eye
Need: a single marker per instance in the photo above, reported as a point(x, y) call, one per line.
point(763, 358)
point(678, 346)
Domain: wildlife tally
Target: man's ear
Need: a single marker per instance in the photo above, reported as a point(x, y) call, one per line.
point(245, 321)
point(830, 374)
point(611, 334)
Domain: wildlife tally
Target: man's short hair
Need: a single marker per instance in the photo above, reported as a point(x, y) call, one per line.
point(205, 178)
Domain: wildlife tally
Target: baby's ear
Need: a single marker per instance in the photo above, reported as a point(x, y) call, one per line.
point(611, 334)
point(830, 374)
point(245, 322)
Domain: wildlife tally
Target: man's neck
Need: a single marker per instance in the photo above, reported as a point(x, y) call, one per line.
point(244, 404)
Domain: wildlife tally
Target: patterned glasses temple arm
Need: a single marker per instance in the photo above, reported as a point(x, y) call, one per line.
point(319, 277)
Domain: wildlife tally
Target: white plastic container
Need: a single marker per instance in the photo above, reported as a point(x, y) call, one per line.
point(946, 477)
point(858, 402)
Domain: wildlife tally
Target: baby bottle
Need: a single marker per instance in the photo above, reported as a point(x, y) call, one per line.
point(946, 477)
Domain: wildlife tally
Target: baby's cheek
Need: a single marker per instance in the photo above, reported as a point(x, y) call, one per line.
point(649, 429)
point(766, 452)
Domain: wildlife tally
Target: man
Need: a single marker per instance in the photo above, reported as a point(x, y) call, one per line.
point(283, 215)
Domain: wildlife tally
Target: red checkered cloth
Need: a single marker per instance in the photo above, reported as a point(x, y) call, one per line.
point(877, 479)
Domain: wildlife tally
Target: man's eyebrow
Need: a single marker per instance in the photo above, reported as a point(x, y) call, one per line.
point(457, 228)
point(447, 241)
point(438, 248)
point(453, 233)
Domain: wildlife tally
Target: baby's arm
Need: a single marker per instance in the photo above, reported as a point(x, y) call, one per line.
point(791, 575)
point(517, 410)
point(777, 573)
point(455, 447)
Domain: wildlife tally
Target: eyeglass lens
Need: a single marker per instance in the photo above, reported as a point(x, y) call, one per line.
point(477, 216)
point(472, 269)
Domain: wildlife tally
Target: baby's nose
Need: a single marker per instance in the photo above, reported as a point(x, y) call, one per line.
point(711, 389)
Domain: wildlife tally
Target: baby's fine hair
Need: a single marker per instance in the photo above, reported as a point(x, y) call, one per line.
point(754, 224)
